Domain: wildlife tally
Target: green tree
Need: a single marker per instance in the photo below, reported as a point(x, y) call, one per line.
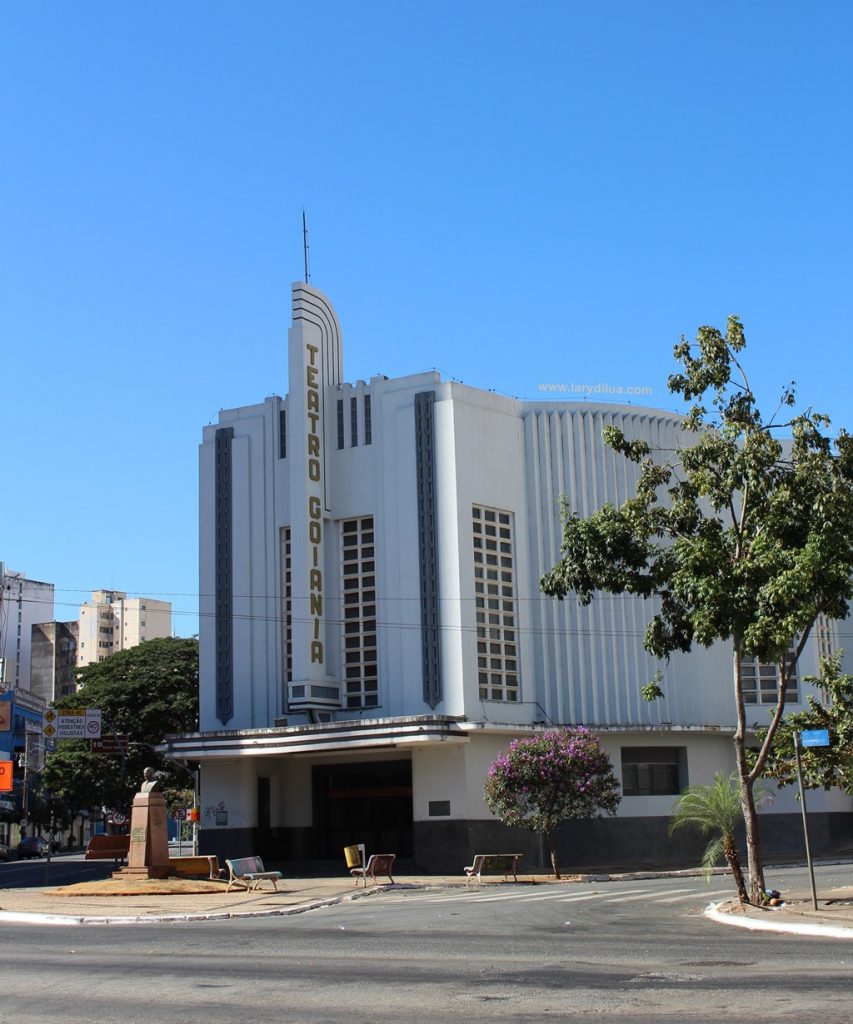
point(738, 536)
point(144, 693)
point(823, 767)
point(716, 810)
point(541, 781)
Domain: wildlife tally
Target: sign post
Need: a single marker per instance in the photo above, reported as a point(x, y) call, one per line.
point(72, 723)
point(180, 816)
point(110, 744)
point(808, 738)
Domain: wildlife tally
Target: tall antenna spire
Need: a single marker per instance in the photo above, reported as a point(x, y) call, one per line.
point(305, 246)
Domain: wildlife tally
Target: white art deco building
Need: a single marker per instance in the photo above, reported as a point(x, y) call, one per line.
point(372, 630)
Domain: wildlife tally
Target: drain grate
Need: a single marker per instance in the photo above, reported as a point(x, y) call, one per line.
point(719, 963)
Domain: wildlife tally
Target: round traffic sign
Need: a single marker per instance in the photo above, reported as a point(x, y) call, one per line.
point(179, 814)
point(119, 818)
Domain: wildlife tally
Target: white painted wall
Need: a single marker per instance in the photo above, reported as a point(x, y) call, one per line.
point(230, 786)
point(438, 773)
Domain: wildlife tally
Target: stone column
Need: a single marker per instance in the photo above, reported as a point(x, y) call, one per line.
point(149, 842)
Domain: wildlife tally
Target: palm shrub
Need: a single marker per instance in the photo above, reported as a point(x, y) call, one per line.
point(716, 809)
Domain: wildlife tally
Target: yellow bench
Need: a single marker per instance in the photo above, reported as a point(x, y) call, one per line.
point(202, 865)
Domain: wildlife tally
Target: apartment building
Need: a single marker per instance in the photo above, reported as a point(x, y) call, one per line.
point(112, 622)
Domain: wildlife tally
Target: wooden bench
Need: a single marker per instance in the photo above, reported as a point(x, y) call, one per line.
point(104, 847)
point(494, 864)
point(201, 866)
point(251, 872)
point(378, 864)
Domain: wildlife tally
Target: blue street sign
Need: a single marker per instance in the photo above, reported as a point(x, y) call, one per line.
point(815, 737)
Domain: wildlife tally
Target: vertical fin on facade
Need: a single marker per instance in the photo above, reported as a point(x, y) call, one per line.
point(224, 572)
point(315, 370)
point(311, 305)
point(428, 546)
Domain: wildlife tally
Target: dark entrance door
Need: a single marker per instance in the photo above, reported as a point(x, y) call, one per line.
point(364, 803)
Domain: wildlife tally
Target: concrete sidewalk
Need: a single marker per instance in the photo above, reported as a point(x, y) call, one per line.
point(833, 918)
point(153, 901)
point(179, 899)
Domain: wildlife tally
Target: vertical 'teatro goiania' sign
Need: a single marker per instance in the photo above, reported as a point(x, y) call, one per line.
point(315, 365)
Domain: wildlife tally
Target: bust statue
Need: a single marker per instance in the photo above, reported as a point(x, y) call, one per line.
point(150, 780)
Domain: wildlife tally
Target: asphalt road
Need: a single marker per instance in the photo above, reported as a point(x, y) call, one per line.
point(64, 869)
point(628, 951)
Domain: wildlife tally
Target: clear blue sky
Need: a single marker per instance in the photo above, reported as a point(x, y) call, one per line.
point(515, 194)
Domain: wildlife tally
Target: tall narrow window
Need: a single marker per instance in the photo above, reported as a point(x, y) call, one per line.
point(358, 578)
point(353, 421)
point(368, 425)
point(824, 631)
point(340, 423)
point(494, 588)
point(282, 434)
point(287, 600)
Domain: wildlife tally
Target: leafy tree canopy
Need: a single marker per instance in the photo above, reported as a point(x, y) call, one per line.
point(738, 535)
point(541, 781)
point(144, 693)
point(823, 767)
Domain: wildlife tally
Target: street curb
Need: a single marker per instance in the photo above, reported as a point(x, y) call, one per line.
point(24, 917)
point(825, 931)
point(20, 917)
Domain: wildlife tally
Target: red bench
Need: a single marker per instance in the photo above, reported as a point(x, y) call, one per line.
point(104, 847)
point(378, 864)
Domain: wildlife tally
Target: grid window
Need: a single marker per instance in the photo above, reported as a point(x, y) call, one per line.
point(494, 601)
point(353, 421)
point(368, 424)
point(358, 579)
point(288, 604)
point(761, 681)
point(653, 771)
point(282, 434)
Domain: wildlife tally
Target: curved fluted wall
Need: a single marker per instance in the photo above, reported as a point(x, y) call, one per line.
point(589, 663)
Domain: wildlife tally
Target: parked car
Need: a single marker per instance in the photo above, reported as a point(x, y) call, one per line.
point(32, 846)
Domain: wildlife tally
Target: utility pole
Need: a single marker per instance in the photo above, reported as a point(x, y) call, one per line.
point(24, 762)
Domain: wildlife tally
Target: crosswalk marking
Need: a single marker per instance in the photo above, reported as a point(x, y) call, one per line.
point(639, 894)
point(642, 894)
point(703, 894)
point(581, 899)
point(664, 896)
point(520, 897)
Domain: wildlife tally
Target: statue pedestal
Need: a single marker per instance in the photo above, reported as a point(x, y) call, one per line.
point(148, 856)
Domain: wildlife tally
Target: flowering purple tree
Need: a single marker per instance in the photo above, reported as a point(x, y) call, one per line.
point(541, 781)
